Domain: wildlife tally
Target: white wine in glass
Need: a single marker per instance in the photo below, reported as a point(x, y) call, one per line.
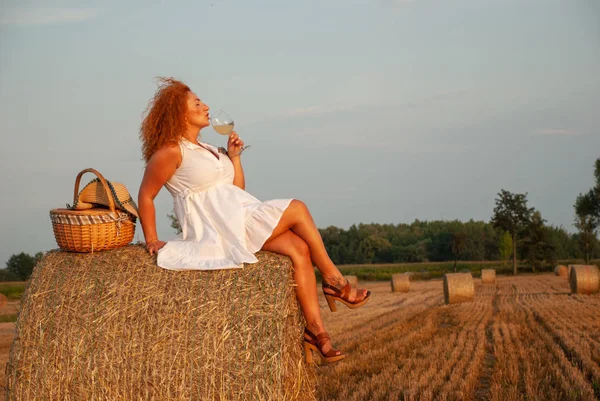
point(222, 122)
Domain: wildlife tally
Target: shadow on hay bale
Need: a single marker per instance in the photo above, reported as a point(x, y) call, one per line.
point(112, 325)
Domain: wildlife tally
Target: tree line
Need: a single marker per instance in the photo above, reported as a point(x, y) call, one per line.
point(20, 266)
point(515, 229)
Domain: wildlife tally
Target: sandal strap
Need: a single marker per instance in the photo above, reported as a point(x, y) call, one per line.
point(327, 285)
point(322, 339)
point(310, 334)
point(331, 352)
point(319, 341)
point(346, 291)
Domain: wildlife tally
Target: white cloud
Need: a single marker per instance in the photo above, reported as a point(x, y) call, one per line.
point(40, 16)
point(555, 131)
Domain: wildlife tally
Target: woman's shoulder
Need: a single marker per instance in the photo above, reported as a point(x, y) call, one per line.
point(168, 151)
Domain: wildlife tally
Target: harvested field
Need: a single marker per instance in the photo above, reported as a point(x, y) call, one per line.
point(7, 333)
point(524, 338)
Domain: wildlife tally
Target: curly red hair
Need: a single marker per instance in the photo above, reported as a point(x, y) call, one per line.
point(165, 116)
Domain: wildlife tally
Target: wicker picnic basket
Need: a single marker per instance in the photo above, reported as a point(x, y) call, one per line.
point(95, 229)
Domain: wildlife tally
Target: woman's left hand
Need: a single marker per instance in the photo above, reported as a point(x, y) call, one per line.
point(234, 145)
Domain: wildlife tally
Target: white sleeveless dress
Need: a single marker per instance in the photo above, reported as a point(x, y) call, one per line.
point(222, 225)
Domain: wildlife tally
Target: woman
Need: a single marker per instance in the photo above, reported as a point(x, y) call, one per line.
point(222, 225)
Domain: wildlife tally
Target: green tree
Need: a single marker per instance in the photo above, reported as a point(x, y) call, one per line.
point(371, 247)
point(512, 214)
point(174, 223)
point(21, 265)
point(535, 245)
point(587, 216)
point(505, 247)
point(586, 221)
point(458, 245)
point(565, 244)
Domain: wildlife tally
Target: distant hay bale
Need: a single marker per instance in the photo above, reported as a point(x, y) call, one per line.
point(561, 271)
point(584, 279)
point(353, 280)
point(400, 282)
point(425, 274)
point(3, 300)
point(458, 287)
point(488, 276)
point(114, 326)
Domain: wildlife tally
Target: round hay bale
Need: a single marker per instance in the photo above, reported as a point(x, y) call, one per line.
point(353, 280)
point(488, 276)
point(562, 271)
point(3, 300)
point(400, 282)
point(584, 279)
point(114, 326)
point(458, 287)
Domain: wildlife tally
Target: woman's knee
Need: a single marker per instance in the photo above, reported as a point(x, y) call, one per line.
point(300, 208)
point(299, 247)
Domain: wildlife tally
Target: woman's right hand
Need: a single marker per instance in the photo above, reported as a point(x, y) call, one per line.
point(154, 246)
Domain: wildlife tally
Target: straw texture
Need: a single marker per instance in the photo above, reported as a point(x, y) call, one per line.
point(353, 280)
point(458, 287)
point(584, 279)
point(488, 276)
point(114, 326)
point(400, 282)
point(561, 271)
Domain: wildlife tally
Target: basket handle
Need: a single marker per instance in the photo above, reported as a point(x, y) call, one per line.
point(111, 202)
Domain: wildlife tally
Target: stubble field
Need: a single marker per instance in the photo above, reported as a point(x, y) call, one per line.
point(524, 338)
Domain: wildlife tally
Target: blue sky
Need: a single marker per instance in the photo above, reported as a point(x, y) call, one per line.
point(370, 111)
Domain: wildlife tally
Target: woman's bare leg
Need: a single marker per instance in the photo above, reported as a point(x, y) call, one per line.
point(291, 245)
point(298, 219)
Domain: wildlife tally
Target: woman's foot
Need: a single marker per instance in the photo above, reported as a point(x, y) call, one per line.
point(321, 343)
point(340, 290)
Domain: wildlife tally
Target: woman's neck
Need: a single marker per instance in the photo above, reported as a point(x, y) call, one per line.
point(192, 134)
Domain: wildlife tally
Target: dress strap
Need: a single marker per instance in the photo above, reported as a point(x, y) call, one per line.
point(182, 149)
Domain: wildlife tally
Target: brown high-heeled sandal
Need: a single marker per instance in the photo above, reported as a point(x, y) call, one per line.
point(316, 343)
point(343, 296)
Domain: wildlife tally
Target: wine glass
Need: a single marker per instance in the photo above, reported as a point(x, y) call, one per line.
point(223, 124)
